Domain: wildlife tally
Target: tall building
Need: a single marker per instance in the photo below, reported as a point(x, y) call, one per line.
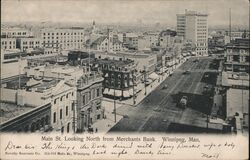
point(193, 27)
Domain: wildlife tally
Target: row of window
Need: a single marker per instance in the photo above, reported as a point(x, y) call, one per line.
point(66, 37)
point(31, 42)
point(75, 33)
point(14, 33)
point(91, 95)
point(61, 114)
point(10, 42)
point(62, 97)
point(62, 41)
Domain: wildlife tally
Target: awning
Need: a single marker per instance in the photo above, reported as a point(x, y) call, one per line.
point(126, 94)
point(131, 92)
point(106, 91)
point(111, 92)
point(153, 76)
point(118, 93)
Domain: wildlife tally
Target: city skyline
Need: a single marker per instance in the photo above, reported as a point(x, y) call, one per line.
point(109, 11)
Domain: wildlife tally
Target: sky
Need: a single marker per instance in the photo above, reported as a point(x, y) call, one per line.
point(122, 11)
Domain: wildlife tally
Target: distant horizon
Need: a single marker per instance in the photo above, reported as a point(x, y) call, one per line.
point(146, 12)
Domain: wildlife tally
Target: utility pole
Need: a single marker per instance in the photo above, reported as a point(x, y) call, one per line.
point(230, 24)
point(145, 80)
point(114, 105)
point(133, 76)
point(74, 110)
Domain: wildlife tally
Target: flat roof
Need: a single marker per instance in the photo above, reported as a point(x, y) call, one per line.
point(113, 62)
point(11, 110)
point(237, 101)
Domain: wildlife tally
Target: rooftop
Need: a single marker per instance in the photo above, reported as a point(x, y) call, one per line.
point(111, 62)
point(237, 101)
point(11, 110)
point(137, 54)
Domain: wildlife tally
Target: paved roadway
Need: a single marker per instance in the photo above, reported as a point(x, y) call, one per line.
point(158, 112)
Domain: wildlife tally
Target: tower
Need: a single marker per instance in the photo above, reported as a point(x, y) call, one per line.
point(110, 40)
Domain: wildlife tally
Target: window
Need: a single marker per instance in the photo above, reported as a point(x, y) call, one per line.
point(83, 100)
point(60, 113)
point(54, 117)
point(98, 116)
point(55, 101)
point(97, 92)
point(68, 126)
point(67, 110)
point(72, 106)
point(90, 95)
point(61, 98)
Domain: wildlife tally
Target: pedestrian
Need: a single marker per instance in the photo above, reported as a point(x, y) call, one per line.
point(96, 130)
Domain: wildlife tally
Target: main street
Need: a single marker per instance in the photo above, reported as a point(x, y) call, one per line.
point(159, 112)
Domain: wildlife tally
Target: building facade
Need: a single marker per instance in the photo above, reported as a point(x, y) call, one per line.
point(15, 32)
point(130, 40)
point(89, 101)
point(193, 27)
point(28, 43)
point(8, 43)
point(237, 56)
point(63, 38)
point(37, 92)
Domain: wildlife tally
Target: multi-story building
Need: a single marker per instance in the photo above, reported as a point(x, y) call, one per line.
point(28, 43)
point(166, 38)
point(152, 38)
point(15, 32)
point(88, 89)
point(102, 44)
point(130, 40)
point(27, 91)
point(119, 75)
point(237, 56)
point(143, 61)
point(193, 27)
point(8, 43)
point(63, 38)
point(89, 101)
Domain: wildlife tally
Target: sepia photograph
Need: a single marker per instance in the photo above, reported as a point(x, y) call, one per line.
point(130, 68)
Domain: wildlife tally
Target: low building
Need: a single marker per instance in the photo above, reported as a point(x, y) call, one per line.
point(237, 100)
point(11, 65)
point(15, 118)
